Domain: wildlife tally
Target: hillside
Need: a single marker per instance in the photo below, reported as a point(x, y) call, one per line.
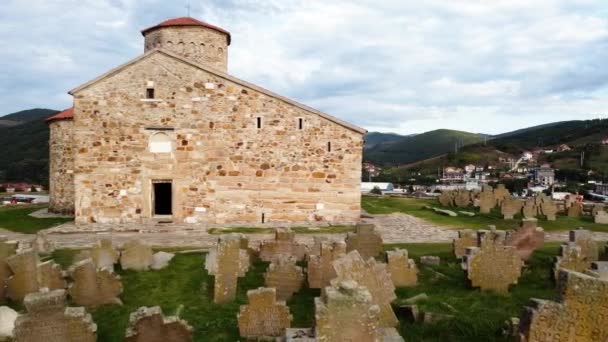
point(375, 138)
point(25, 147)
point(24, 116)
point(420, 147)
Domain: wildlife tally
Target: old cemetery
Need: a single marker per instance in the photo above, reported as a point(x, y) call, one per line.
point(488, 285)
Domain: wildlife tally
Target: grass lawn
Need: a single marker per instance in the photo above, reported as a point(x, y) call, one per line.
point(299, 230)
point(479, 316)
point(415, 207)
point(17, 219)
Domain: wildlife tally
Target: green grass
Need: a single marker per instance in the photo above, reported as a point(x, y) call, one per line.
point(416, 207)
point(17, 219)
point(299, 230)
point(478, 315)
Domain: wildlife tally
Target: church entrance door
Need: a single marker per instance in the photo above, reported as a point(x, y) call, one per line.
point(162, 198)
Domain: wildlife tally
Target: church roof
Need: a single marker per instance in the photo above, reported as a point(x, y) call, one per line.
point(225, 76)
point(186, 21)
point(67, 114)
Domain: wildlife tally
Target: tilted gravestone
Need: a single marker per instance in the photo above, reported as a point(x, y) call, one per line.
point(501, 193)
point(148, 324)
point(320, 268)
point(570, 258)
point(527, 238)
point(601, 217)
point(529, 209)
point(575, 210)
point(136, 256)
point(597, 208)
point(227, 262)
point(365, 240)
point(579, 314)
point(598, 269)
point(375, 277)
point(466, 238)
point(549, 209)
point(462, 199)
point(284, 243)
point(283, 275)
point(584, 239)
point(487, 201)
point(29, 275)
point(48, 319)
point(7, 249)
point(264, 316)
point(93, 287)
point(403, 270)
point(446, 198)
point(492, 266)
point(104, 255)
point(510, 207)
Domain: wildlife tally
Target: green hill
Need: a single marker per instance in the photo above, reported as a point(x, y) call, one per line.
point(24, 116)
point(420, 147)
point(373, 139)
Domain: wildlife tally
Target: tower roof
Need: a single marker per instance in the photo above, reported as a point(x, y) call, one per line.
point(67, 114)
point(186, 21)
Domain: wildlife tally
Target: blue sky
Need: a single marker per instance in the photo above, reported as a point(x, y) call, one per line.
point(390, 65)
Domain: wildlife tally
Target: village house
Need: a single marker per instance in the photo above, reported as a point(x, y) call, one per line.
point(171, 136)
point(544, 175)
point(453, 174)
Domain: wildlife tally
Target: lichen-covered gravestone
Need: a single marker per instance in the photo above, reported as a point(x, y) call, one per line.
point(575, 210)
point(150, 325)
point(599, 269)
point(403, 270)
point(466, 238)
point(578, 315)
point(375, 277)
point(320, 268)
point(597, 208)
point(527, 238)
point(102, 254)
point(492, 266)
point(284, 243)
point(136, 256)
point(227, 262)
point(7, 249)
point(462, 199)
point(94, 287)
point(446, 198)
point(584, 239)
point(48, 319)
point(601, 217)
point(283, 275)
point(529, 209)
point(365, 240)
point(549, 209)
point(487, 201)
point(29, 275)
point(501, 193)
point(570, 258)
point(510, 207)
point(264, 316)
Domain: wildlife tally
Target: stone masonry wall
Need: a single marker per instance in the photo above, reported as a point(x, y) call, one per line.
point(224, 170)
point(202, 45)
point(61, 167)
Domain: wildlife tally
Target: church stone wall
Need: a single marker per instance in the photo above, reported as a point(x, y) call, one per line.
point(202, 45)
point(224, 170)
point(61, 167)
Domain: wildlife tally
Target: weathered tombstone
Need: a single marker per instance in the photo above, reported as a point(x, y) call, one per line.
point(575, 210)
point(29, 275)
point(466, 238)
point(527, 238)
point(284, 243)
point(104, 255)
point(597, 208)
point(320, 268)
point(94, 287)
point(48, 319)
point(148, 324)
point(161, 260)
point(42, 244)
point(501, 193)
point(487, 201)
point(530, 210)
point(571, 258)
point(510, 207)
point(462, 199)
point(578, 315)
point(446, 198)
point(283, 275)
point(403, 271)
point(601, 217)
point(227, 262)
point(584, 239)
point(7, 249)
point(50, 276)
point(264, 316)
point(136, 256)
point(492, 266)
point(549, 209)
point(365, 240)
point(374, 277)
point(599, 269)
point(347, 312)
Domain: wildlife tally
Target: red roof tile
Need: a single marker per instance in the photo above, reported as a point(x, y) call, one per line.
point(186, 21)
point(67, 114)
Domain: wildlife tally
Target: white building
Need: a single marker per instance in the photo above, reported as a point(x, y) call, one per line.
point(367, 187)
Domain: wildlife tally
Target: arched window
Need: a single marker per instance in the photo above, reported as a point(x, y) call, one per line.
point(169, 45)
point(181, 47)
point(220, 51)
point(160, 143)
point(193, 50)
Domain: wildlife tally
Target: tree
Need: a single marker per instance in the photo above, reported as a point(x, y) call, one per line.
point(33, 189)
point(376, 191)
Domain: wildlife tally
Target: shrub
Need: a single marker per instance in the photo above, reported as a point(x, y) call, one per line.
point(376, 191)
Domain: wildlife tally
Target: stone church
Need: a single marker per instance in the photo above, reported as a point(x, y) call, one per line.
point(170, 136)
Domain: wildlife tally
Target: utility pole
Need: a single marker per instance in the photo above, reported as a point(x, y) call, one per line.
point(582, 158)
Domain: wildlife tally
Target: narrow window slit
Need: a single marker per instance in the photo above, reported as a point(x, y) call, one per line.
point(329, 146)
point(263, 218)
point(300, 123)
point(150, 93)
point(259, 122)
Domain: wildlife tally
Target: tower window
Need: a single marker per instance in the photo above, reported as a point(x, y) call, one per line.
point(149, 93)
point(259, 121)
point(329, 146)
point(300, 123)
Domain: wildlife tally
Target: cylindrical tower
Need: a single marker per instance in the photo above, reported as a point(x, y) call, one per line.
point(61, 162)
point(201, 42)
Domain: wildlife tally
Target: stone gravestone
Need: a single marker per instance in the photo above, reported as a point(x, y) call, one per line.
point(403, 271)
point(601, 217)
point(150, 325)
point(487, 201)
point(446, 198)
point(584, 239)
point(283, 275)
point(374, 277)
point(263, 317)
point(492, 266)
point(320, 268)
point(549, 209)
point(575, 210)
point(7, 249)
point(365, 240)
point(466, 238)
point(94, 287)
point(462, 199)
point(227, 262)
point(29, 275)
point(597, 208)
point(104, 255)
point(283, 244)
point(527, 238)
point(599, 269)
point(501, 193)
point(136, 256)
point(578, 315)
point(530, 210)
point(510, 207)
point(42, 244)
point(570, 258)
point(48, 319)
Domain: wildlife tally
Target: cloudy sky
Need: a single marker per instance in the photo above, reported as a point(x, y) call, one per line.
point(390, 65)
